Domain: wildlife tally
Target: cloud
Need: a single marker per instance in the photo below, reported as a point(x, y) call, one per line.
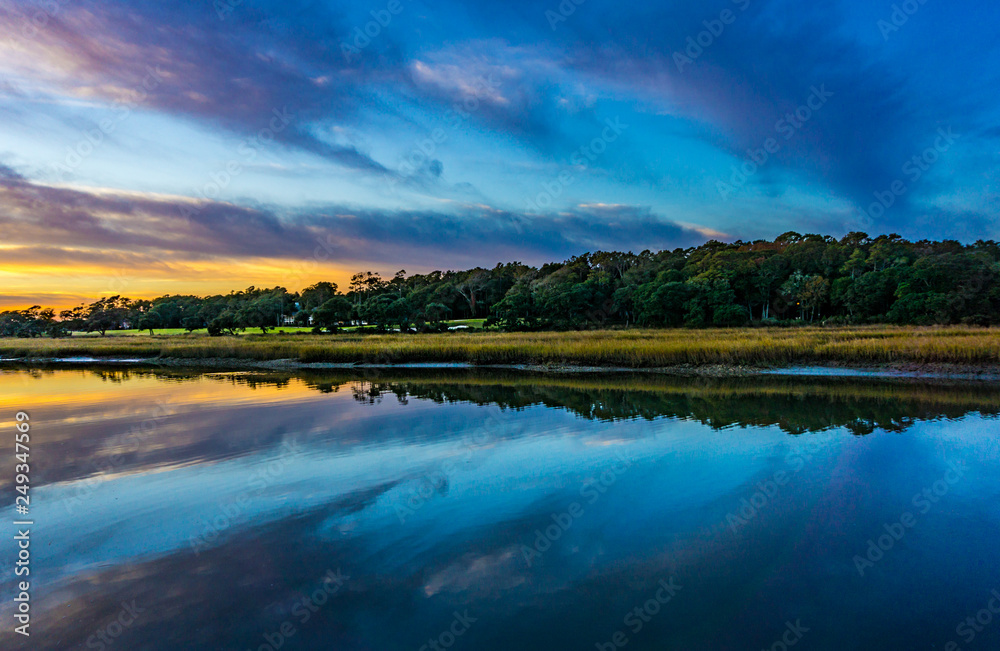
point(760, 69)
point(889, 97)
point(44, 299)
point(183, 60)
point(539, 93)
point(153, 231)
point(512, 89)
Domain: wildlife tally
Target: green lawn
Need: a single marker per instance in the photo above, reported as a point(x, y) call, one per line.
point(178, 331)
point(471, 323)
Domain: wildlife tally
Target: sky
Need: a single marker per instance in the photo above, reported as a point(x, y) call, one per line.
point(149, 148)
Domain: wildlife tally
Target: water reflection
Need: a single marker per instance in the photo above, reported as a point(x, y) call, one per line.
point(220, 503)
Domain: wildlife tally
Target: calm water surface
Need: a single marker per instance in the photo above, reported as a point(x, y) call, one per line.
point(462, 510)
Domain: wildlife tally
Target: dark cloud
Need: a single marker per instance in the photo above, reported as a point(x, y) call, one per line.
point(234, 72)
point(764, 66)
point(10, 175)
point(130, 229)
point(889, 96)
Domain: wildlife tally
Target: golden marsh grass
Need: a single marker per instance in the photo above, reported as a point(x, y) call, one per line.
point(617, 348)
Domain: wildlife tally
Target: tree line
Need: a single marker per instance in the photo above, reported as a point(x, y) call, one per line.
point(795, 279)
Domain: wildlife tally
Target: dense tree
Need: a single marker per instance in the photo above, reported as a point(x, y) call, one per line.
point(111, 313)
point(29, 323)
point(263, 312)
point(517, 310)
point(436, 313)
point(148, 321)
point(332, 313)
point(74, 318)
point(192, 323)
point(315, 295)
point(476, 283)
point(226, 323)
point(797, 278)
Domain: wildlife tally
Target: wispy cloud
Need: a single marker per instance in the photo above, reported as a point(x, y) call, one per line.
point(81, 226)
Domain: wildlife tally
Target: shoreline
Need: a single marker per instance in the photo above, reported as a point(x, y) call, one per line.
point(929, 371)
point(927, 352)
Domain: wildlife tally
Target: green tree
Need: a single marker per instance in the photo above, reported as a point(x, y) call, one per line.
point(332, 314)
point(106, 314)
point(263, 312)
point(225, 324)
point(192, 323)
point(317, 294)
point(148, 321)
point(517, 309)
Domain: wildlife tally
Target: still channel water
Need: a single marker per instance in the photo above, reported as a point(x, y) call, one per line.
point(487, 511)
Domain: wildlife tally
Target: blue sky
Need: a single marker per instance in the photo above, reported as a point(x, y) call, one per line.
point(201, 146)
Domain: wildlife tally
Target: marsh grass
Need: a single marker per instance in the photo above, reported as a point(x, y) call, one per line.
point(618, 348)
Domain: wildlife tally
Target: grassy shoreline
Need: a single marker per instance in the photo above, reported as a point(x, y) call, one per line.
point(859, 346)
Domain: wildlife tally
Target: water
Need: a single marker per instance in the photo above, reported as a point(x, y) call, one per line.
point(464, 510)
